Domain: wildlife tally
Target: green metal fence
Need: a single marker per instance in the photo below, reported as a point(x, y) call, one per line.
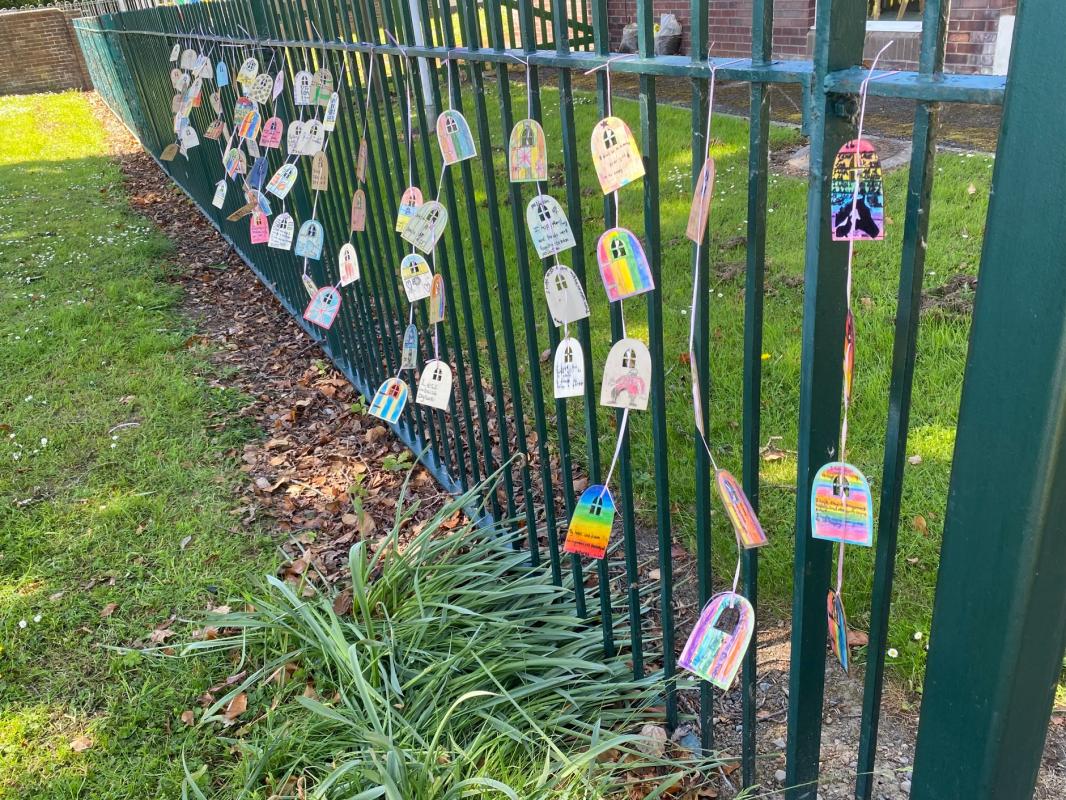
point(1001, 606)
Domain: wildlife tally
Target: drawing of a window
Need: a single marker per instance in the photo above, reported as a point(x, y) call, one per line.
point(432, 216)
point(450, 125)
point(394, 390)
point(543, 212)
point(609, 139)
point(528, 140)
point(618, 249)
point(596, 508)
point(568, 355)
point(560, 283)
point(629, 359)
point(438, 374)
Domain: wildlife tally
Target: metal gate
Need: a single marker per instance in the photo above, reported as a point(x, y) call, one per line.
point(1000, 611)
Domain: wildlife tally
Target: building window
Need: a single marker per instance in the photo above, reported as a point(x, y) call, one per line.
point(895, 10)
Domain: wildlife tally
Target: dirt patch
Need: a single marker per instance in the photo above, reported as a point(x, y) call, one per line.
point(953, 298)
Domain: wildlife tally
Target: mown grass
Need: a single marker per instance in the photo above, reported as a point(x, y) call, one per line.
point(113, 491)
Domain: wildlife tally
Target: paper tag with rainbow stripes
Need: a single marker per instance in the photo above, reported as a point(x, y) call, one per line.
point(716, 647)
point(841, 505)
point(746, 525)
point(590, 527)
point(838, 628)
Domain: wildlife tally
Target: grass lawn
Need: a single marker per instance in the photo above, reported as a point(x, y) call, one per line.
point(959, 208)
point(114, 496)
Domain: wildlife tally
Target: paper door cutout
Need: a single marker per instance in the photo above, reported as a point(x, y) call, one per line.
point(281, 232)
point(175, 52)
point(590, 527)
point(548, 226)
point(214, 130)
point(292, 137)
point(841, 505)
point(312, 137)
point(321, 86)
point(178, 79)
point(257, 174)
point(715, 649)
point(243, 211)
point(221, 74)
point(270, 136)
point(627, 376)
point(701, 203)
point(260, 200)
point(528, 152)
point(416, 278)
point(219, 199)
point(309, 285)
point(261, 88)
point(453, 135)
point(409, 203)
point(437, 300)
point(279, 85)
point(249, 125)
point(202, 68)
point(566, 298)
point(838, 628)
point(283, 180)
point(389, 400)
point(738, 508)
point(329, 116)
point(309, 240)
point(348, 261)
point(301, 88)
point(252, 147)
point(623, 265)
point(259, 228)
point(188, 138)
point(216, 102)
point(319, 172)
point(234, 162)
point(409, 353)
point(358, 221)
point(426, 226)
point(323, 308)
point(569, 369)
point(849, 355)
point(360, 161)
point(249, 69)
point(435, 385)
point(188, 58)
point(615, 154)
point(860, 161)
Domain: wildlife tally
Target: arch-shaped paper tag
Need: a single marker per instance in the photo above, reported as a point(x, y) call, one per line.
point(312, 137)
point(849, 355)
point(527, 152)
point(859, 160)
point(838, 629)
point(548, 226)
point(279, 85)
point(309, 240)
point(257, 174)
point(282, 181)
point(261, 88)
point(178, 79)
point(293, 137)
point(842, 505)
point(389, 400)
point(320, 172)
point(323, 308)
point(627, 376)
point(221, 74)
point(321, 86)
point(259, 228)
point(309, 285)
point(435, 385)
point(615, 154)
point(270, 135)
point(281, 232)
point(202, 68)
point(260, 200)
point(738, 508)
point(426, 226)
point(416, 277)
point(701, 203)
point(566, 299)
point(188, 138)
point(360, 161)
point(250, 124)
point(624, 267)
point(715, 649)
point(214, 130)
point(188, 58)
point(216, 102)
point(409, 352)
point(329, 116)
point(175, 52)
point(219, 199)
point(348, 264)
point(235, 163)
point(358, 218)
point(454, 137)
point(437, 300)
point(569, 369)
point(589, 532)
point(301, 88)
point(248, 71)
point(409, 203)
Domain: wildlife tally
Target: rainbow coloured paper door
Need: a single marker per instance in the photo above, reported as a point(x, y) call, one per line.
point(323, 308)
point(569, 369)
point(857, 215)
point(453, 134)
point(566, 299)
point(389, 400)
point(838, 628)
point(437, 300)
point(615, 154)
point(715, 649)
point(527, 152)
point(590, 526)
point(623, 265)
point(627, 376)
point(841, 506)
point(737, 507)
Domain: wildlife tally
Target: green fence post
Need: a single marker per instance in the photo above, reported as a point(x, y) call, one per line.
point(999, 621)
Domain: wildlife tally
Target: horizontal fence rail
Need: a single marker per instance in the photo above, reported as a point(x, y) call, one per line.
point(397, 64)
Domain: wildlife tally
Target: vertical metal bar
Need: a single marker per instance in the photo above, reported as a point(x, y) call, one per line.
point(762, 29)
point(905, 342)
point(840, 31)
point(999, 620)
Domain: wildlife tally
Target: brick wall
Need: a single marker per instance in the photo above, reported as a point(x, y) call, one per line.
point(39, 52)
point(972, 30)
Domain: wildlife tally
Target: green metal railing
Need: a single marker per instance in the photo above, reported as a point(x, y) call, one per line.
point(1000, 613)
